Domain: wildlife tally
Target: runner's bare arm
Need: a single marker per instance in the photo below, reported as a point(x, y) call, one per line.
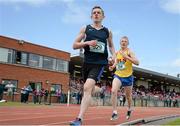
point(114, 65)
point(132, 58)
point(78, 44)
point(111, 46)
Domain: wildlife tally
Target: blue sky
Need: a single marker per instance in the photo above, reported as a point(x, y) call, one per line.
point(153, 26)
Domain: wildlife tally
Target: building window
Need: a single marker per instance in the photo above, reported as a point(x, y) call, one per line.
point(62, 66)
point(10, 55)
point(21, 58)
point(55, 88)
point(49, 63)
point(24, 58)
point(6, 55)
point(5, 82)
point(35, 60)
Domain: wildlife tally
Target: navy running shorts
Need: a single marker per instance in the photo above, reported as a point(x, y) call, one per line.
point(93, 71)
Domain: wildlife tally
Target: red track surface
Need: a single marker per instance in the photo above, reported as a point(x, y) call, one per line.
point(61, 115)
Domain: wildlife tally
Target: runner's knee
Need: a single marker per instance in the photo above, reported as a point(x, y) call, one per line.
point(87, 89)
point(114, 92)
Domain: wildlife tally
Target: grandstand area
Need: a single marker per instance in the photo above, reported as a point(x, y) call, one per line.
point(150, 88)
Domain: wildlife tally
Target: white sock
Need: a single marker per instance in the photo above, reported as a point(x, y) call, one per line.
point(129, 109)
point(115, 111)
point(80, 117)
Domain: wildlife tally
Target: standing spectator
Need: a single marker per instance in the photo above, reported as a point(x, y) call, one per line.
point(176, 101)
point(166, 100)
point(28, 89)
point(62, 96)
point(170, 100)
point(120, 100)
point(79, 96)
point(35, 97)
point(1, 91)
point(9, 87)
point(102, 96)
point(58, 94)
point(41, 94)
point(46, 93)
point(173, 101)
point(134, 96)
point(23, 94)
point(124, 99)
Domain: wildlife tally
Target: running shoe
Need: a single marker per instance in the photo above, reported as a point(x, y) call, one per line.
point(128, 114)
point(114, 117)
point(76, 122)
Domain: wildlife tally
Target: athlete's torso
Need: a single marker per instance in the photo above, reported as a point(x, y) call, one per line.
point(99, 53)
point(123, 67)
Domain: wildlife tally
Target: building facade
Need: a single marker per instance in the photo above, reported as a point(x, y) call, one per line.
point(23, 63)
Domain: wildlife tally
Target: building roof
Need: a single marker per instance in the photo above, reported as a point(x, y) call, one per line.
point(21, 45)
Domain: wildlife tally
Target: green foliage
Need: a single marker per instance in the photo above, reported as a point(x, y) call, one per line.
point(174, 122)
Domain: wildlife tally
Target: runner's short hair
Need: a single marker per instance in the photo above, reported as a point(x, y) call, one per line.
point(125, 37)
point(97, 7)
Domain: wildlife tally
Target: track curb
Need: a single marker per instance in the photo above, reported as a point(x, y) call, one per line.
point(148, 120)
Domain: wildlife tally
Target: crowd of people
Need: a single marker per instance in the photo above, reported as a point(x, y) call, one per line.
point(8, 93)
point(169, 97)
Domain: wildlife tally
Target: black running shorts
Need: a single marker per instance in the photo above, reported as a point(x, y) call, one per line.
point(93, 71)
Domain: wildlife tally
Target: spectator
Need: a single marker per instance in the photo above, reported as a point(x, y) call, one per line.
point(28, 89)
point(35, 96)
point(23, 94)
point(46, 93)
point(124, 99)
point(9, 87)
point(58, 94)
point(120, 100)
point(1, 91)
point(41, 95)
point(79, 97)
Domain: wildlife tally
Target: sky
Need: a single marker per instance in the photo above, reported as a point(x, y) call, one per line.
point(153, 26)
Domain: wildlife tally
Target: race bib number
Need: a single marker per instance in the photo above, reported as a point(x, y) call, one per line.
point(99, 48)
point(120, 66)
